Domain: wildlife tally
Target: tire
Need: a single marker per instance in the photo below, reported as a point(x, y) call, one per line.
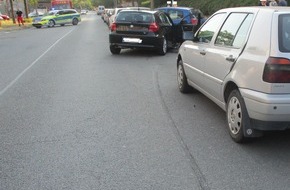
point(115, 50)
point(38, 26)
point(75, 21)
point(237, 116)
point(163, 49)
point(51, 23)
point(182, 79)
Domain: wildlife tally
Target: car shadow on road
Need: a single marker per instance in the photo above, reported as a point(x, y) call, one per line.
point(144, 52)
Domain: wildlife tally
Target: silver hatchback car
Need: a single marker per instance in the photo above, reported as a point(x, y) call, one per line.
point(240, 59)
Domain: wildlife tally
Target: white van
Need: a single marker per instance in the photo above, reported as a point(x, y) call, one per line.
point(101, 9)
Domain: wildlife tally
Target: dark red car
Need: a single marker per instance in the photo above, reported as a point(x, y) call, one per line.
point(5, 17)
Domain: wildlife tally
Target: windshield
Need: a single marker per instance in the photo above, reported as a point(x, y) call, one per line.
point(52, 12)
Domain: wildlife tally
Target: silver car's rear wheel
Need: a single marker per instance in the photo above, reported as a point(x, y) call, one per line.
point(236, 116)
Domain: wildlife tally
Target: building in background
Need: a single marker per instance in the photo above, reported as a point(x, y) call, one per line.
point(61, 4)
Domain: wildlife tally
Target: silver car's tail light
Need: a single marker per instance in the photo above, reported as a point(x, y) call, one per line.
point(277, 70)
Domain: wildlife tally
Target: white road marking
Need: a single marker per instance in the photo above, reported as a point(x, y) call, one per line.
point(32, 64)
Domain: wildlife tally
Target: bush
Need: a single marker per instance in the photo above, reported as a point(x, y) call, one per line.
point(208, 7)
point(28, 20)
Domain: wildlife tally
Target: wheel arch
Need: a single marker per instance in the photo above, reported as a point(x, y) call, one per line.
point(178, 59)
point(229, 87)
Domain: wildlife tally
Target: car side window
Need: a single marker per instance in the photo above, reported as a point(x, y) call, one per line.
point(164, 19)
point(234, 31)
point(70, 12)
point(284, 32)
point(207, 31)
point(175, 14)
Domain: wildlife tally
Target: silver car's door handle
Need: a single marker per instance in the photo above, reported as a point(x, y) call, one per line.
point(230, 58)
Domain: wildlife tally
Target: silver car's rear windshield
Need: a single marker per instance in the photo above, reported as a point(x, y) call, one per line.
point(284, 33)
point(140, 17)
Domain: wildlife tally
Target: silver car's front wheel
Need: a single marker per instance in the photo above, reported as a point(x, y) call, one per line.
point(181, 78)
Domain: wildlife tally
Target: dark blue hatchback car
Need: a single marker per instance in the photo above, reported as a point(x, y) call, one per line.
point(187, 14)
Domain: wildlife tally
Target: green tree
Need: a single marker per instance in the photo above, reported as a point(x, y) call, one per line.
point(82, 4)
point(34, 4)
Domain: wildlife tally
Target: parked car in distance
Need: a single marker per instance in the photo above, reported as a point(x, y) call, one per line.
point(240, 59)
point(4, 17)
point(141, 29)
point(84, 12)
point(100, 9)
point(58, 17)
point(35, 14)
point(107, 14)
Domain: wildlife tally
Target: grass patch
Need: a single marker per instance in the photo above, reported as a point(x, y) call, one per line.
point(9, 23)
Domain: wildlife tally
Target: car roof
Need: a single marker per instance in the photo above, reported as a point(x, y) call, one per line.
point(178, 8)
point(257, 8)
point(135, 10)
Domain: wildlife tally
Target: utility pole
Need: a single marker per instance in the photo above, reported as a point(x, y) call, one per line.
point(152, 4)
point(26, 8)
point(12, 11)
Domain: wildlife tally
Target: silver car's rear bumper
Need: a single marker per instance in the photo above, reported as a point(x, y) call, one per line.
point(267, 107)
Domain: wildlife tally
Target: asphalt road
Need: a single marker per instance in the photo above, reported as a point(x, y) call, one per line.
point(73, 116)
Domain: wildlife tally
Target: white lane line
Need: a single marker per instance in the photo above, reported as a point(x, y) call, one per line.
point(32, 64)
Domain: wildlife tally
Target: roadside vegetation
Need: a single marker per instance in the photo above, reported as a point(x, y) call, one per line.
point(9, 23)
point(208, 7)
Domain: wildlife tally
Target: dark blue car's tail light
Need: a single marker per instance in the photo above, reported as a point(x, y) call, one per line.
point(194, 21)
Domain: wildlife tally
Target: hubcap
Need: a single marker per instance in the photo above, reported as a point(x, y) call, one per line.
point(180, 76)
point(164, 46)
point(234, 115)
